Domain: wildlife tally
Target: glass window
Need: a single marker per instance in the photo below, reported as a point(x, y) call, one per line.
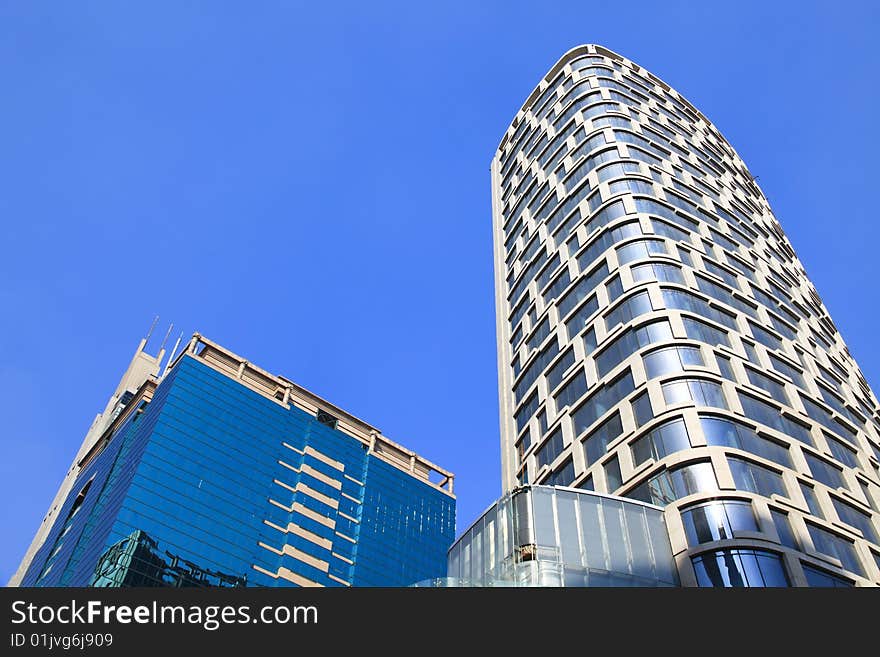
point(666, 439)
point(783, 529)
point(788, 370)
point(640, 250)
point(596, 444)
point(671, 359)
point(756, 478)
point(629, 309)
point(702, 393)
point(697, 330)
point(833, 545)
point(717, 520)
point(630, 341)
point(812, 500)
point(727, 433)
point(675, 483)
point(765, 413)
point(614, 288)
point(642, 409)
point(684, 300)
point(776, 389)
point(725, 367)
point(842, 452)
point(823, 471)
point(613, 479)
point(551, 448)
point(821, 578)
point(735, 568)
point(560, 367)
point(857, 518)
point(601, 401)
point(581, 289)
point(656, 271)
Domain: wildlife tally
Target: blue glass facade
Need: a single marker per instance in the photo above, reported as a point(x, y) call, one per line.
point(212, 483)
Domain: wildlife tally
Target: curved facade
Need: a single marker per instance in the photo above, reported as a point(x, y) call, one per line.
point(658, 338)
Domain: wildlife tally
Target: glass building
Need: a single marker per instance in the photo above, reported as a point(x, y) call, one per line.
point(555, 536)
point(218, 473)
point(659, 339)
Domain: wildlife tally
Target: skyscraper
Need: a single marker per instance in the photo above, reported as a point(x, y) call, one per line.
point(659, 339)
point(215, 472)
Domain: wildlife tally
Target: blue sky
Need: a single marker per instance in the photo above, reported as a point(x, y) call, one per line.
point(308, 184)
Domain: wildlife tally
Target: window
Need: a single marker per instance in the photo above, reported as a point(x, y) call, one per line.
point(783, 529)
point(613, 480)
point(640, 250)
point(573, 390)
point(614, 288)
point(701, 393)
point(784, 368)
point(823, 471)
point(812, 500)
point(756, 478)
point(525, 411)
point(725, 367)
point(596, 444)
point(737, 568)
point(551, 448)
point(821, 578)
point(629, 309)
point(666, 439)
point(630, 341)
point(534, 368)
point(824, 418)
point(581, 289)
point(675, 483)
point(857, 518)
point(671, 359)
point(842, 452)
point(697, 330)
point(684, 300)
point(555, 373)
point(765, 337)
point(657, 271)
point(717, 520)
point(774, 388)
point(578, 319)
point(836, 546)
point(642, 410)
point(562, 476)
point(726, 433)
point(765, 413)
point(601, 402)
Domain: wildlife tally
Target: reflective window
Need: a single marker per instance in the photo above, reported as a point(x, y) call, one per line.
point(735, 568)
point(842, 452)
point(642, 410)
point(857, 518)
point(702, 393)
point(601, 401)
point(783, 529)
point(675, 483)
point(684, 300)
point(822, 578)
point(551, 448)
point(756, 478)
point(776, 389)
point(833, 545)
point(613, 479)
point(727, 433)
point(640, 250)
point(697, 330)
point(630, 341)
point(717, 520)
point(596, 444)
point(629, 309)
point(823, 471)
point(812, 500)
point(765, 413)
point(560, 367)
point(579, 318)
point(671, 359)
point(666, 439)
point(657, 271)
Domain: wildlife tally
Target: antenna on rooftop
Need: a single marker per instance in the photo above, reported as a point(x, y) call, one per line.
point(171, 355)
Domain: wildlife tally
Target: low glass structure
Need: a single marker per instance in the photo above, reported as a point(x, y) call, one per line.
point(557, 536)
